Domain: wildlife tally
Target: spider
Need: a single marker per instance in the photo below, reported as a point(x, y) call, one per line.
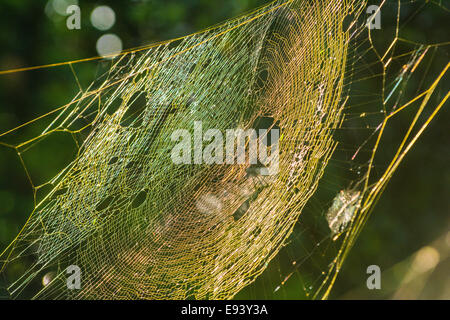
point(342, 210)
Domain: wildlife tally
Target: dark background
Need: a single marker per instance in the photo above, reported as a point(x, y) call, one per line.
point(412, 213)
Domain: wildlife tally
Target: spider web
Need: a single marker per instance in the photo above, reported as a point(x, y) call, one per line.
point(139, 226)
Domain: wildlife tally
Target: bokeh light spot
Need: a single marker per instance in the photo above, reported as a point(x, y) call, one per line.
point(60, 6)
point(103, 18)
point(427, 258)
point(109, 45)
